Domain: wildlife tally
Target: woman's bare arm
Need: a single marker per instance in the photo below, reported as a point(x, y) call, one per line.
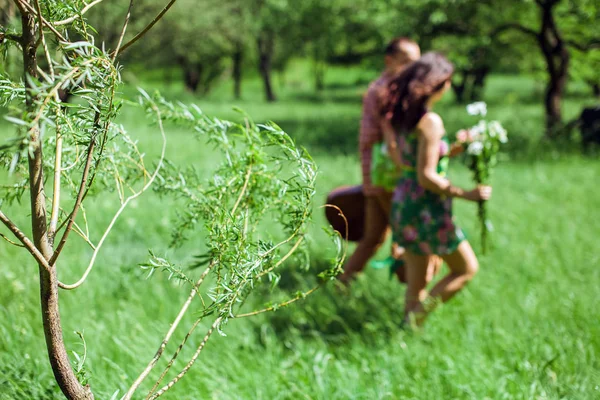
point(389, 136)
point(431, 130)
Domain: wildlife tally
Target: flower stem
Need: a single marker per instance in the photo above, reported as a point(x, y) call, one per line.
point(482, 212)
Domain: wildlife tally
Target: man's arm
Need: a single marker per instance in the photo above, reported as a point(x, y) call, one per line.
point(370, 129)
point(369, 135)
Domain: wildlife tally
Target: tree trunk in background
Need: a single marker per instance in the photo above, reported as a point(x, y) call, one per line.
point(479, 76)
point(238, 57)
point(191, 76)
point(213, 68)
point(319, 67)
point(459, 87)
point(266, 46)
point(57, 353)
point(595, 89)
point(470, 87)
point(319, 75)
point(556, 56)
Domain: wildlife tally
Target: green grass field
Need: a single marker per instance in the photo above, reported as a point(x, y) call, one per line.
point(526, 328)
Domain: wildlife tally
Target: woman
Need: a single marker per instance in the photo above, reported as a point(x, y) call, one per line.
point(421, 216)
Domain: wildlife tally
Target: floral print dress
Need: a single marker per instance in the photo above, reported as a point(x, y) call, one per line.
point(421, 220)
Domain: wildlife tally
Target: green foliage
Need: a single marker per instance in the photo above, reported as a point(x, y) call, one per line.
point(263, 179)
point(202, 36)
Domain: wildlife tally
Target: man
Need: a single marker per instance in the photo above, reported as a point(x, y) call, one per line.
point(399, 53)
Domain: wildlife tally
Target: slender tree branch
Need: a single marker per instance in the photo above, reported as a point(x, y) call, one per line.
point(77, 157)
point(174, 357)
point(43, 74)
point(244, 187)
point(117, 214)
point(147, 28)
point(44, 21)
point(56, 189)
point(591, 45)
point(54, 91)
point(27, 243)
point(20, 6)
point(280, 305)
point(74, 17)
point(516, 26)
point(546, 4)
point(190, 363)
point(165, 341)
point(78, 200)
point(9, 36)
point(450, 28)
point(3, 236)
point(282, 260)
point(123, 30)
point(43, 39)
point(286, 303)
point(77, 229)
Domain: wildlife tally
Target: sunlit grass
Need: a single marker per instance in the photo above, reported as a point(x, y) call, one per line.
point(526, 328)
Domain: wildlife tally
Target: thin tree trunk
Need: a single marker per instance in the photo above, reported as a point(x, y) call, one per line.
point(552, 103)
point(557, 62)
point(459, 87)
point(238, 57)
point(265, 55)
point(210, 72)
point(57, 353)
point(319, 75)
point(191, 76)
point(319, 69)
point(595, 89)
point(479, 76)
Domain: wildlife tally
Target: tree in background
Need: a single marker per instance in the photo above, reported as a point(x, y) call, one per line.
point(274, 27)
point(319, 22)
point(346, 32)
point(563, 26)
point(459, 29)
point(193, 38)
point(200, 44)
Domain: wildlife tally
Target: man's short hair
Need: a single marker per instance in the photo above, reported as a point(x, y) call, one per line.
point(395, 46)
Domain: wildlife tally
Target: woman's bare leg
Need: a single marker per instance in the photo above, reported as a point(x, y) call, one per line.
point(435, 264)
point(416, 277)
point(463, 267)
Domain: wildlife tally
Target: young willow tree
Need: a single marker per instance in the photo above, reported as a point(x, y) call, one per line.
point(63, 153)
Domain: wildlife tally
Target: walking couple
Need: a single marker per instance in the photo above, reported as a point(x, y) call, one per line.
point(397, 111)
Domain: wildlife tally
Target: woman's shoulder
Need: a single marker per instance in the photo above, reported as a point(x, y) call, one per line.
point(431, 124)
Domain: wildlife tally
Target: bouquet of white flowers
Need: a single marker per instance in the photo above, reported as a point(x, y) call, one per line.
point(481, 143)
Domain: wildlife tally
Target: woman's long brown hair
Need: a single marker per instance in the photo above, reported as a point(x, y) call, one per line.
point(409, 92)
